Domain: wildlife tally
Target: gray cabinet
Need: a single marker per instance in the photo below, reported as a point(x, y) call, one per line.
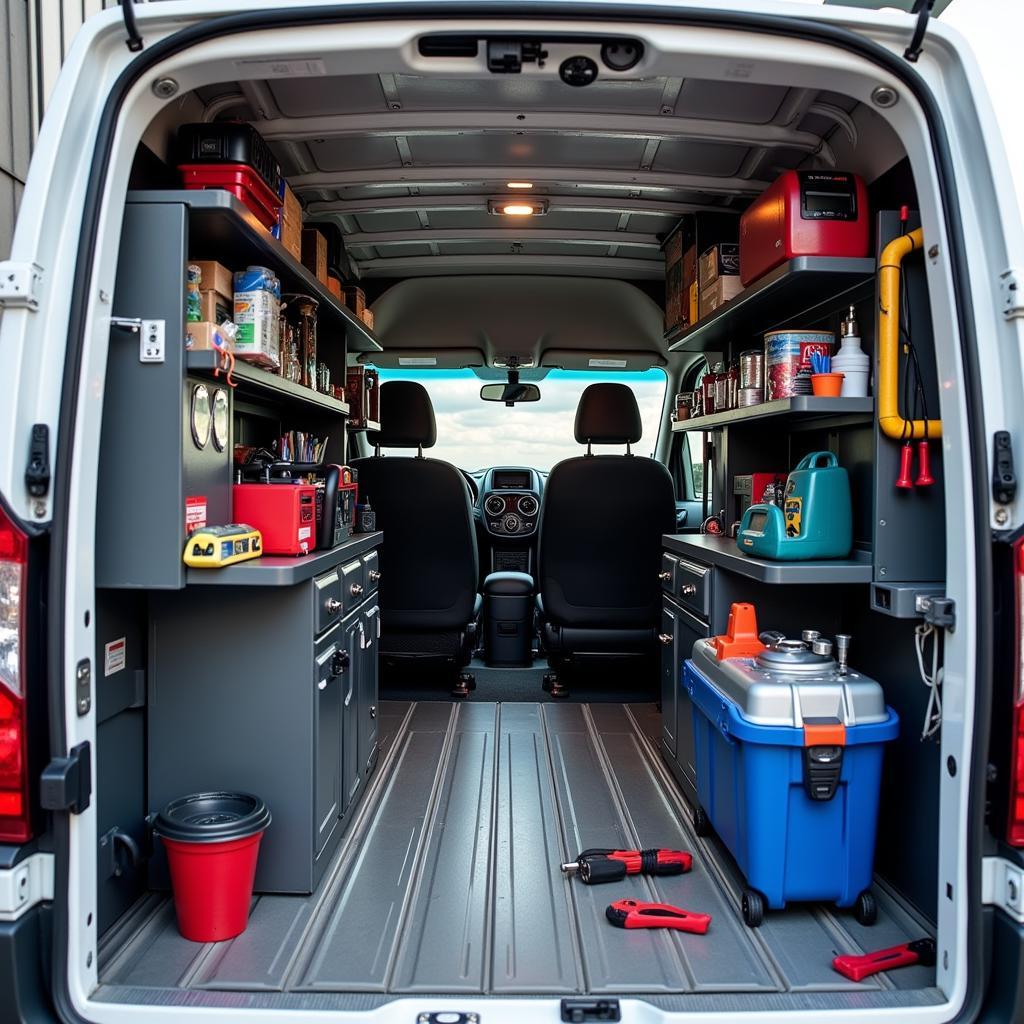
point(369, 727)
point(351, 775)
point(670, 669)
point(329, 676)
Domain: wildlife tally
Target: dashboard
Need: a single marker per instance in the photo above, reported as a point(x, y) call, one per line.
point(507, 509)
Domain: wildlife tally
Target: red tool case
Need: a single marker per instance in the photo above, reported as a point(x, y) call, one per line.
point(241, 181)
point(285, 513)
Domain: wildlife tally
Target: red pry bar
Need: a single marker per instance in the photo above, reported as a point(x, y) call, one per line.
point(857, 968)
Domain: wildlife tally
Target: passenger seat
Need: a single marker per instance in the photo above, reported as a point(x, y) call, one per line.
point(429, 562)
point(601, 524)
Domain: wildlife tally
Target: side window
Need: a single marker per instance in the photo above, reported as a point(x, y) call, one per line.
point(688, 461)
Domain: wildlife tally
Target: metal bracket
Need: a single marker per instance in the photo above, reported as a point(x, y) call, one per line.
point(20, 285)
point(134, 40)
point(29, 882)
point(66, 782)
point(1002, 886)
point(939, 611)
point(923, 10)
point(1011, 291)
point(1004, 476)
point(112, 844)
point(83, 687)
point(129, 323)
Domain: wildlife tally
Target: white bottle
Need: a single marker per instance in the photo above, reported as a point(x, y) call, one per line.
point(853, 363)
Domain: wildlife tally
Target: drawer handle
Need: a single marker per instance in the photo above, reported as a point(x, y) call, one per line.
point(665, 577)
point(666, 638)
point(374, 575)
point(356, 589)
point(322, 685)
point(373, 710)
point(688, 589)
point(333, 605)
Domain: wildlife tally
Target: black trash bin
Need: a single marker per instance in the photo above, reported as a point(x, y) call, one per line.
point(508, 619)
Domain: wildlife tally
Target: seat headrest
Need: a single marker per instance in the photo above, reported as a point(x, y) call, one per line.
point(608, 414)
point(406, 416)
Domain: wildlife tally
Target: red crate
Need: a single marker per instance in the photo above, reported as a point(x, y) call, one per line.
point(241, 181)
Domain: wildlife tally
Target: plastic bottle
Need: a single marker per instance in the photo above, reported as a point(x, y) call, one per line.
point(851, 360)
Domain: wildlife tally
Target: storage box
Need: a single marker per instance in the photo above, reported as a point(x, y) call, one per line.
point(291, 224)
point(367, 317)
point(257, 311)
point(675, 289)
point(357, 396)
point(314, 253)
point(334, 287)
point(691, 290)
point(355, 298)
point(215, 277)
point(205, 336)
point(215, 306)
point(721, 260)
point(718, 293)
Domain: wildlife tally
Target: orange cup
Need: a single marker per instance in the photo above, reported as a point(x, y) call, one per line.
point(827, 385)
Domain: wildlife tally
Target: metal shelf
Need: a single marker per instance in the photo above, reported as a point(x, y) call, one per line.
point(774, 300)
point(254, 382)
point(222, 228)
point(804, 407)
point(723, 553)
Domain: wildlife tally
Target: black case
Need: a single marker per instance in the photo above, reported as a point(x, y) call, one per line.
point(228, 142)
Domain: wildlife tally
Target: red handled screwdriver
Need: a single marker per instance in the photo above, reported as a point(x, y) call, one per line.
point(633, 914)
point(596, 866)
point(857, 968)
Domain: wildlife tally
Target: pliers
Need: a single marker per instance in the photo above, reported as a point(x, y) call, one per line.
point(596, 866)
point(633, 914)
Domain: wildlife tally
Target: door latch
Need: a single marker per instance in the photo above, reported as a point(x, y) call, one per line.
point(66, 782)
point(37, 472)
point(1004, 477)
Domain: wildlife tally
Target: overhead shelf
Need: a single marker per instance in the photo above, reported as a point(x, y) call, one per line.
point(782, 296)
point(221, 227)
point(368, 425)
point(262, 385)
point(802, 407)
point(723, 553)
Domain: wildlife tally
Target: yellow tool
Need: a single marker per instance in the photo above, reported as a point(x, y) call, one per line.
point(889, 418)
point(211, 547)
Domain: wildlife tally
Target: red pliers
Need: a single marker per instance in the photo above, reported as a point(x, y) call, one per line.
point(633, 914)
point(596, 866)
point(857, 968)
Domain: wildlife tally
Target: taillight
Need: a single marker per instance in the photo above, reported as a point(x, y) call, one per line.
point(15, 825)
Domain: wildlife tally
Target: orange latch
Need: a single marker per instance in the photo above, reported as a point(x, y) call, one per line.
point(740, 640)
point(825, 734)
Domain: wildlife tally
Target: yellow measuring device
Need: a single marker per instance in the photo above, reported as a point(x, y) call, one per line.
point(211, 547)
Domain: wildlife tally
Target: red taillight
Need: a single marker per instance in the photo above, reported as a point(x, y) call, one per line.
point(15, 826)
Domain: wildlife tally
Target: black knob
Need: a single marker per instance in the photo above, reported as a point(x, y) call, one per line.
point(339, 663)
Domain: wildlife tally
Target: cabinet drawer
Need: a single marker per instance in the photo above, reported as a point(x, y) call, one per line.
point(353, 585)
point(371, 572)
point(667, 576)
point(693, 586)
point(327, 597)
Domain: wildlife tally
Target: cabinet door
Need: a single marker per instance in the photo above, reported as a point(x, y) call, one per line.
point(687, 629)
point(670, 668)
point(368, 725)
point(351, 776)
point(330, 682)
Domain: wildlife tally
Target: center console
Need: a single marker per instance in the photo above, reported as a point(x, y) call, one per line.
point(510, 513)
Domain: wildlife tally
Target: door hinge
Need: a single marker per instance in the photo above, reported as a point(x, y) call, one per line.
point(1004, 476)
point(1011, 291)
point(1002, 886)
point(66, 782)
point(923, 10)
point(20, 285)
point(37, 472)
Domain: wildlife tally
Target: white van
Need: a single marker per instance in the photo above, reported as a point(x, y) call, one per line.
point(545, 241)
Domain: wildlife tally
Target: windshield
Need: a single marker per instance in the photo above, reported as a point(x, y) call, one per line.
point(474, 434)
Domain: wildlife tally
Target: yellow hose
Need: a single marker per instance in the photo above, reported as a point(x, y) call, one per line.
point(889, 418)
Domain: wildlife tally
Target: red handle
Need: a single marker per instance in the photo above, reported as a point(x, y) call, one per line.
point(904, 480)
point(857, 968)
point(924, 462)
point(650, 862)
point(633, 914)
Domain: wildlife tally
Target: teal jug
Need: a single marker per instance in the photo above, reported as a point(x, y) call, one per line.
point(815, 520)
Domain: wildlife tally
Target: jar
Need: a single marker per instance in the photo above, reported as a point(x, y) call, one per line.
point(301, 314)
point(708, 387)
point(684, 405)
point(732, 380)
point(721, 388)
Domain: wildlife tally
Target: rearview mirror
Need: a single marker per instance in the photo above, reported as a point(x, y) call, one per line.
point(510, 393)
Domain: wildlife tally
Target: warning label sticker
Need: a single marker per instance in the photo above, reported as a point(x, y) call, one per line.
point(195, 513)
point(114, 656)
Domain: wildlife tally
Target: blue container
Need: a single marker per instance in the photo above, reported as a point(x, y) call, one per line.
point(750, 783)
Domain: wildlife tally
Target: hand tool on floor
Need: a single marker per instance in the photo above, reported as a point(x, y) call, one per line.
point(633, 914)
point(597, 866)
point(857, 968)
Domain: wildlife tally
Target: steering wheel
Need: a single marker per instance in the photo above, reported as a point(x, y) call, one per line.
point(473, 488)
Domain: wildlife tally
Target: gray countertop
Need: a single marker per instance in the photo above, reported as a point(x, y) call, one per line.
point(283, 570)
point(723, 553)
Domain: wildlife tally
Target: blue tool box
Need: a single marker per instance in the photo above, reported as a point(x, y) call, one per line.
point(796, 805)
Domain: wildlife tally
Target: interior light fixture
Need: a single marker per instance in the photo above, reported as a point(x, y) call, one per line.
point(514, 207)
point(517, 210)
point(519, 184)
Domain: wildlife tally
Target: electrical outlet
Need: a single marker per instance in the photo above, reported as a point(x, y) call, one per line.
point(152, 348)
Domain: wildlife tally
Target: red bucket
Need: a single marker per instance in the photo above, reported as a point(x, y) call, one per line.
point(212, 842)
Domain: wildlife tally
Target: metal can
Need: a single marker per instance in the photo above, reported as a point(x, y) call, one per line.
point(752, 369)
point(783, 353)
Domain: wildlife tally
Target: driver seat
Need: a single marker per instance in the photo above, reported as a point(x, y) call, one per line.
point(428, 561)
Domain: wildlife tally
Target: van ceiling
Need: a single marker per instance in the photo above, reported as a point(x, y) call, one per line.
point(407, 164)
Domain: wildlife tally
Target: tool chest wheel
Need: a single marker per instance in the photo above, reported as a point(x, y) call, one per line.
point(701, 822)
point(866, 908)
point(752, 904)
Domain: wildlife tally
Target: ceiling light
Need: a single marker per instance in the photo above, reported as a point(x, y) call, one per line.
point(517, 210)
point(520, 184)
point(516, 207)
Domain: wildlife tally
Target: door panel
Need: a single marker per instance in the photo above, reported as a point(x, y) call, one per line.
point(367, 683)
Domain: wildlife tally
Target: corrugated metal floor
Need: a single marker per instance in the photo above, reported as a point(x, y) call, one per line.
point(449, 882)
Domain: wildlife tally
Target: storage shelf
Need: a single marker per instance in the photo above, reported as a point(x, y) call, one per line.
point(773, 301)
point(260, 384)
point(284, 570)
point(368, 425)
point(222, 228)
point(723, 553)
point(804, 407)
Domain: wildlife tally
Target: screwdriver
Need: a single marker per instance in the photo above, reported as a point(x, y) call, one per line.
point(597, 866)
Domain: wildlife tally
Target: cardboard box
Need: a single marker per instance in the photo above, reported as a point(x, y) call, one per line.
point(291, 224)
point(214, 306)
point(205, 335)
point(367, 317)
point(314, 253)
point(721, 260)
point(334, 287)
point(215, 277)
point(718, 293)
point(690, 289)
point(675, 302)
point(355, 298)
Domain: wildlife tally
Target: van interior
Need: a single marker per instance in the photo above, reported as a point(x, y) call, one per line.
point(479, 673)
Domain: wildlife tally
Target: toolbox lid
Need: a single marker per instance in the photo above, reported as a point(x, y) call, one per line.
point(212, 817)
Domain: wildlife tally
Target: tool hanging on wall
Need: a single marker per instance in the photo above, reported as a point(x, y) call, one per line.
point(894, 329)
